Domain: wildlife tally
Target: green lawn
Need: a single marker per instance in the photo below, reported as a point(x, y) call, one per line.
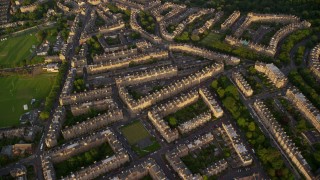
point(19, 90)
point(135, 132)
point(15, 49)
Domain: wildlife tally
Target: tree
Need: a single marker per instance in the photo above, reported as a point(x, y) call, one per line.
point(214, 84)
point(44, 115)
point(173, 121)
point(195, 37)
point(249, 135)
point(252, 126)
point(242, 122)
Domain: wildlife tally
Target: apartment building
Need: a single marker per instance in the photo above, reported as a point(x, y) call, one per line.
point(304, 106)
point(242, 84)
point(58, 118)
point(314, 63)
point(230, 20)
point(237, 144)
point(273, 73)
point(283, 139)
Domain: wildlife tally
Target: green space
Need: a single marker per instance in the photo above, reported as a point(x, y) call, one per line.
point(186, 113)
point(307, 89)
point(79, 85)
point(56, 88)
point(289, 42)
point(294, 132)
point(113, 40)
point(201, 159)
point(85, 159)
point(135, 132)
point(269, 156)
point(147, 22)
point(252, 81)
point(214, 41)
point(18, 91)
point(9, 57)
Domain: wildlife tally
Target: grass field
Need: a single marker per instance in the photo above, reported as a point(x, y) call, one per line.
point(135, 132)
point(17, 91)
point(15, 49)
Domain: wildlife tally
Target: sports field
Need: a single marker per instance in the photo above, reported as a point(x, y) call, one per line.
point(135, 132)
point(15, 49)
point(138, 136)
point(17, 90)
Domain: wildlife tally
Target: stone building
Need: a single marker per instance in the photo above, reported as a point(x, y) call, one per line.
point(304, 106)
point(136, 27)
point(58, 118)
point(230, 20)
point(211, 55)
point(85, 96)
point(98, 105)
point(283, 139)
point(314, 63)
point(273, 73)
point(216, 168)
point(170, 90)
point(174, 158)
point(237, 144)
point(126, 62)
point(211, 102)
point(242, 84)
point(92, 124)
point(148, 167)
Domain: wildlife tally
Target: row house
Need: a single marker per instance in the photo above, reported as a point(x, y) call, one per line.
point(273, 73)
point(99, 168)
point(92, 124)
point(304, 106)
point(85, 96)
point(174, 156)
point(285, 142)
point(9, 25)
point(194, 123)
point(185, 48)
point(211, 102)
point(285, 31)
point(62, 7)
point(271, 49)
point(123, 63)
point(216, 168)
point(209, 23)
point(242, 84)
point(143, 45)
point(29, 8)
point(47, 168)
point(170, 90)
point(130, 4)
point(106, 165)
point(27, 133)
point(4, 11)
point(114, 55)
point(77, 146)
point(136, 27)
point(58, 118)
point(68, 85)
point(158, 113)
point(263, 18)
point(314, 63)
point(234, 41)
point(148, 167)
point(147, 75)
point(230, 20)
point(98, 105)
point(162, 126)
point(237, 144)
point(189, 17)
